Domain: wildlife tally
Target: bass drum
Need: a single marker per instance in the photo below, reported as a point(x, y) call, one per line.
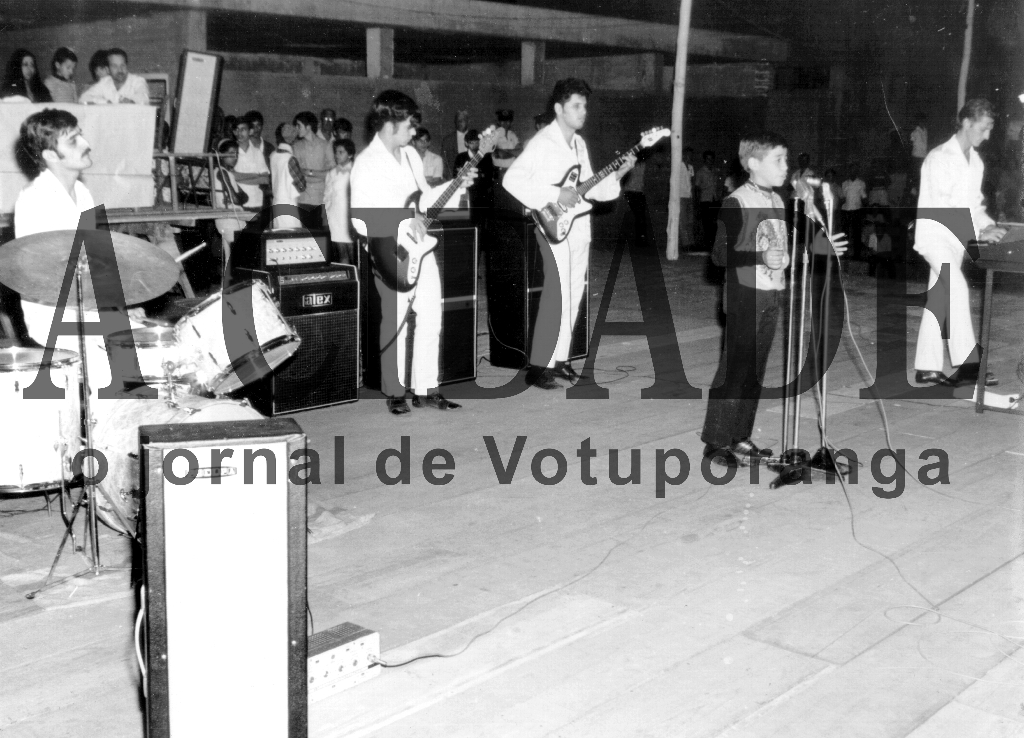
point(116, 434)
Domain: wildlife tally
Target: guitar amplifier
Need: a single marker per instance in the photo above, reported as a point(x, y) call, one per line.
point(457, 264)
point(267, 249)
point(515, 278)
point(321, 303)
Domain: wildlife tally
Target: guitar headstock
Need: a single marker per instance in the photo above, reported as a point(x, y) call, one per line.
point(488, 140)
point(651, 137)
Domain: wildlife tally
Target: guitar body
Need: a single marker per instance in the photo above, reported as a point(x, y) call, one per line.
point(553, 219)
point(397, 261)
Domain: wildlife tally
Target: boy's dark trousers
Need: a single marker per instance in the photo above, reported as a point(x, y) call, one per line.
point(751, 317)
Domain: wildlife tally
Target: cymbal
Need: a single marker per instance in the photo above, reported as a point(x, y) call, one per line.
point(34, 266)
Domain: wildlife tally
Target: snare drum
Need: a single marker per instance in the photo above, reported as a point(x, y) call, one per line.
point(217, 341)
point(38, 438)
point(116, 434)
point(153, 345)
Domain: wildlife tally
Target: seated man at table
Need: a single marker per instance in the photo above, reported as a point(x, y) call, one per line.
point(121, 86)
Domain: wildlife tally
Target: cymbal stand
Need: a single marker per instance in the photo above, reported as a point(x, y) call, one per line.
point(89, 487)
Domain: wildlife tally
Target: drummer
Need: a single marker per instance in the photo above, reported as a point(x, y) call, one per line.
point(53, 201)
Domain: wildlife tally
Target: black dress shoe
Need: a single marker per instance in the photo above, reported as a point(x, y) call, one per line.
point(564, 370)
point(435, 400)
point(931, 377)
point(398, 406)
point(967, 374)
point(542, 378)
point(725, 456)
point(748, 447)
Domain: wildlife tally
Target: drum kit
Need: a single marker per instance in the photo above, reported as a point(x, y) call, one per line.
point(230, 339)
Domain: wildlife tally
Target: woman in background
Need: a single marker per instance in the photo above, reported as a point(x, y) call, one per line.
point(22, 79)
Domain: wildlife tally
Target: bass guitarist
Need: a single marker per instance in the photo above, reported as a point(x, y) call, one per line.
point(533, 180)
point(386, 174)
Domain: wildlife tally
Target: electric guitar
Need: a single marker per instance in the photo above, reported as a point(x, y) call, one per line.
point(397, 261)
point(555, 220)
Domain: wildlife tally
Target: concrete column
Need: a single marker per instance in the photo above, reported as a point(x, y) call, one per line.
point(195, 30)
point(532, 65)
point(380, 53)
point(652, 70)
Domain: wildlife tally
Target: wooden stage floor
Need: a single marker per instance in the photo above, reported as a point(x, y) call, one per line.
point(601, 610)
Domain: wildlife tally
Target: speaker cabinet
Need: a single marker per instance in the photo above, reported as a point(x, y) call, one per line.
point(515, 277)
point(321, 304)
point(456, 257)
point(224, 537)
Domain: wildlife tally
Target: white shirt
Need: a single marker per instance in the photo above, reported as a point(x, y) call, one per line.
point(44, 205)
point(686, 182)
point(505, 140)
point(919, 140)
point(536, 175)
point(284, 190)
point(460, 141)
point(336, 204)
point(134, 90)
point(381, 181)
point(251, 161)
point(854, 192)
point(433, 165)
point(949, 180)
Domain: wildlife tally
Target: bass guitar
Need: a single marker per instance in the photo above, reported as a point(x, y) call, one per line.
point(397, 261)
point(555, 220)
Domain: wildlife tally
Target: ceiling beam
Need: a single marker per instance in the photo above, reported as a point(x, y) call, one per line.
point(509, 21)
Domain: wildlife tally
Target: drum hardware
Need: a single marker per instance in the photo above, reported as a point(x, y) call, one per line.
point(89, 487)
point(112, 425)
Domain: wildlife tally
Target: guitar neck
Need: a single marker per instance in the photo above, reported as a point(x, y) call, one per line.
point(584, 187)
point(434, 210)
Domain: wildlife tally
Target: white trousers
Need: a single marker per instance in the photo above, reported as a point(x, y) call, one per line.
point(427, 303)
point(572, 274)
point(930, 350)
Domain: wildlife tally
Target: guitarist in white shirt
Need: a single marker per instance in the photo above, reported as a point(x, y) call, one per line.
point(532, 179)
point(385, 174)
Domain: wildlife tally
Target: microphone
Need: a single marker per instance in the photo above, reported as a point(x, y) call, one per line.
point(802, 190)
point(830, 206)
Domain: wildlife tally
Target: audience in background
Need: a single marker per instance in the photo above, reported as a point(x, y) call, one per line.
point(314, 155)
point(61, 82)
point(255, 120)
point(22, 82)
point(251, 170)
point(433, 165)
point(326, 132)
point(99, 67)
point(336, 201)
point(228, 195)
point(342, 129)
point(454, 143)
point(854, 193)
point(286, 176)
point(120, 86)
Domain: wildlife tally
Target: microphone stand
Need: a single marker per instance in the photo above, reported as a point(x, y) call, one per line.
point(792, 462)
point(824, 459)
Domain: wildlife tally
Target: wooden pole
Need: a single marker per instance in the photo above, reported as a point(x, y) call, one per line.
point(678, 95)
point(965, 63)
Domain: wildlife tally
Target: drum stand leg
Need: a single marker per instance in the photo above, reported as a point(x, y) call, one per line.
point(89, 487)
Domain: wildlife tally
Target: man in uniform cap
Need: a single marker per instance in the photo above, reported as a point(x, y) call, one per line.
point(506, 142)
